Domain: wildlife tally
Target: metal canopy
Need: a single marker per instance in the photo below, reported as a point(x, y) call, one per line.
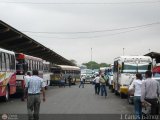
point(12, 39)
point(154, 55)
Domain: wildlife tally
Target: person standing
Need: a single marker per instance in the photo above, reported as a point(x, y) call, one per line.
point(34, 86)
point(26, 79)
point(97, 85)
point(150, 91)
point(63, 81)
point(82, 81)
point(103, 86)
point(136, 87)
point(69, 80)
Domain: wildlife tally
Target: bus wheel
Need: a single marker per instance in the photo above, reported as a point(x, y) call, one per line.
point(6, 97)
point(112, 90)
point(122, 95)
point(116, 92)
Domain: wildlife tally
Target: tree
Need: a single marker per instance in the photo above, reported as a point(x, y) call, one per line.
point(94, 65)
point(74, 61)
point(103, 65)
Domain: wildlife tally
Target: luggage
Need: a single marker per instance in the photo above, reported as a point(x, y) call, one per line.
point(146, 108)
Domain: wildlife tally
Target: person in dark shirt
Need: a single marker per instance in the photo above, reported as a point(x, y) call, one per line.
point(69, 80)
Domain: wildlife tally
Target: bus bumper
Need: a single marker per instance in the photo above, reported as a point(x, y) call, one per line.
point(123, 91)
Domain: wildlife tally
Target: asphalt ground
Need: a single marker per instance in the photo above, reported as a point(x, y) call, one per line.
point(72, 101)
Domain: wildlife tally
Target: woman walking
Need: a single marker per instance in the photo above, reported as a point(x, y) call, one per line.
point(136, 86)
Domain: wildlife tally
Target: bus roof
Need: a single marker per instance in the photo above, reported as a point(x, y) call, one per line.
point(29, 57)
point(134, 58)
point(6, 51)
point(45, 62)
point(66, 67)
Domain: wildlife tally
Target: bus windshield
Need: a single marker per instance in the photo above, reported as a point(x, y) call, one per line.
point(19, 67)
point(132, 68)
point(86, 71)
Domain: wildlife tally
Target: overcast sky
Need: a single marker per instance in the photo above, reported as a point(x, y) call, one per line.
point(72, 30)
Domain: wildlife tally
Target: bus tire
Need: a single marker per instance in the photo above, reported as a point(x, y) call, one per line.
point(50, 84)
point(112, 90)
point(122, 95)
point(116, 92)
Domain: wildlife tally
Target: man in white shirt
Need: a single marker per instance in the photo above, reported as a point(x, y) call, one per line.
point(26, 78)
point(82, 81)
point(97, 85)
point(34, 86)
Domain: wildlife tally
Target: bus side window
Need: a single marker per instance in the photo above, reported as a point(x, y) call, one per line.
point(7, 61)
point(10, 63)
point(3, 62)
point(13, 62)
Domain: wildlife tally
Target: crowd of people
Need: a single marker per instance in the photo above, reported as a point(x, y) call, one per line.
point(146, 93)
point(99, 82)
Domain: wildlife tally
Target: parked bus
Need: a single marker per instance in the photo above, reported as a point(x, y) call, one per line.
point(24, 64)
point(88, 74)
point(63, 71)
point(46, 73)
point(7, 74)
point(125, 69)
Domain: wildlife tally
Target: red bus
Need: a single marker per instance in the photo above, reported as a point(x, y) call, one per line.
point(7, 74)
point(24, 64)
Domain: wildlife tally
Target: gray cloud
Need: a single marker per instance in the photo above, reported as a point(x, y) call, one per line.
point(75, 18)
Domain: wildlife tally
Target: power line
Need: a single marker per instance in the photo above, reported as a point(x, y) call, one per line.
point(95, 31)
point(81, 3)
point(92, 37)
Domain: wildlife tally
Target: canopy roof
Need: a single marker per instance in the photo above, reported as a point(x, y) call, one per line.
point(14, 40)
point(154, 55)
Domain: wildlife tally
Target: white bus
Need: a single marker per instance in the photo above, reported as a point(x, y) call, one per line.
point(125, 69)
point(88, 74)
point(46, 73)
point(7, 74)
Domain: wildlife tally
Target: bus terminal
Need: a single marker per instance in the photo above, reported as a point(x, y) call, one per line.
point(61, 78)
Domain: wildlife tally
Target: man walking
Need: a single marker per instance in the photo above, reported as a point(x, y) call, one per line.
point(26, 79)
point(82, 81)
point(97, 85)
point(69, 80)
point(103, 86)
point(35, 85)
point(150, 91)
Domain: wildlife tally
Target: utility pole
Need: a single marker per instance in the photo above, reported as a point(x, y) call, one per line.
point(149, 50)
point(91, 54)
point(123, 51)
point(91, 58)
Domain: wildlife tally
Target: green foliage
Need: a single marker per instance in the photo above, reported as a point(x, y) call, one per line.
point(74, 61)
point(95, 65)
